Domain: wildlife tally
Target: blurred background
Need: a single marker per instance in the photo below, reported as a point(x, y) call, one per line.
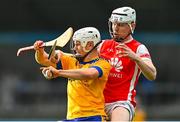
point(26, 94)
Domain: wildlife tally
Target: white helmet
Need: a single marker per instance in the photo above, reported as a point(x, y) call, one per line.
point(87, 34)
point(123, 15)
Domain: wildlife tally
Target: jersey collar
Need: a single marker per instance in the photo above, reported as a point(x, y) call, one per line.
point(89, 62)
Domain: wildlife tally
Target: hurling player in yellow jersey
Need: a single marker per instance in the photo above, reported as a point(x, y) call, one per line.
point(86, 72)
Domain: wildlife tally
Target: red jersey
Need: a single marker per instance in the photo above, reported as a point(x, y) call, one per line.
point(124, 73)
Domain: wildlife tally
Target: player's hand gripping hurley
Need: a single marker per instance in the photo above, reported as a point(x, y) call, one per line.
point(60, 41)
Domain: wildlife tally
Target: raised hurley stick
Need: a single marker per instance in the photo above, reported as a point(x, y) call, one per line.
point(62, 40)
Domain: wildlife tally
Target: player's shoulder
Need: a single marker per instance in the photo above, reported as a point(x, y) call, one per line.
point(139, 44)
point(67, 56)
point(135, 42)
point(138, 47)
point(103, 61)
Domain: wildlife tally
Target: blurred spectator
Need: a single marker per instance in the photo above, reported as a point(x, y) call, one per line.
point(140, 112)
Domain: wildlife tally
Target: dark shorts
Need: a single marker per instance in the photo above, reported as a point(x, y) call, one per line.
point(90, 118)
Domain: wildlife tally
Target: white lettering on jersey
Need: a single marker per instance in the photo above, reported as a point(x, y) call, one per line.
point(116, 75)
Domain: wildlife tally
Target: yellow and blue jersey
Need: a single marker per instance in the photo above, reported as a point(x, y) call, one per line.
point(85, 97)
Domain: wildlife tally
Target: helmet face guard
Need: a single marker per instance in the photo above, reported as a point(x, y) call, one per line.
point(79, 57)
point(84, 36)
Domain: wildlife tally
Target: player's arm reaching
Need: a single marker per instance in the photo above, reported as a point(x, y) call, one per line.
point(147, 68)
point(42, 57)
point(80, 74)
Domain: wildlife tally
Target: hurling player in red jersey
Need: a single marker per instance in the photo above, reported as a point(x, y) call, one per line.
point(129, 58)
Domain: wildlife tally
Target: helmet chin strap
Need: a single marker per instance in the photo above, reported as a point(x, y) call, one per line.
point(81, 58)
point(132, 30)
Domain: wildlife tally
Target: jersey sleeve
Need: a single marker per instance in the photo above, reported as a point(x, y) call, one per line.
point(143, 52)
point(103, 68)
point(99, 70)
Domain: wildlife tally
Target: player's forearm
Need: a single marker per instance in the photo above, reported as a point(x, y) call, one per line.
point(41, 56)
point(80, 74)
point(147, 68)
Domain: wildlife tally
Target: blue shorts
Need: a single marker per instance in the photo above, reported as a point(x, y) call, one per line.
point(90, 118)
